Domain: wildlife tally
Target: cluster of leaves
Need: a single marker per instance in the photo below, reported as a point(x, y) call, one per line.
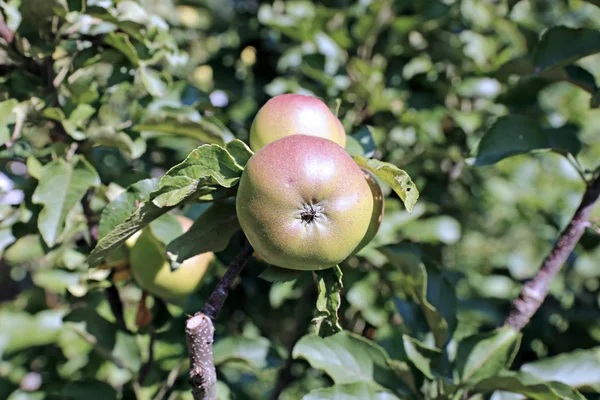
point(116, 115)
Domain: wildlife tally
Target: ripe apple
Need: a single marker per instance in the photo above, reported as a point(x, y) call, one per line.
point(303, 203)
point(151, 270)
point(377, 215)
point(290, 114)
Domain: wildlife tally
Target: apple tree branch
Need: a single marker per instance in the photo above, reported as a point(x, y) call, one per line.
point(534, 292)
point(200, 330)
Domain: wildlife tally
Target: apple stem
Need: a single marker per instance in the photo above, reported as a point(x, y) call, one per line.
point(200, 331)
point(535, 291)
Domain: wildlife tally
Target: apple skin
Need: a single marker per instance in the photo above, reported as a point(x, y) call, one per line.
point(290, 114)
point(152, 272)
point(303, 203)
point(377, 215)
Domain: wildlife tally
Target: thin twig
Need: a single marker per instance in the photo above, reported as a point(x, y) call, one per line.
point(200, 330)
point(534, 292)
point(168, 385)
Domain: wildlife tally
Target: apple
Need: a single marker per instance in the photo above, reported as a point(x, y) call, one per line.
point(290, 114)
point(152, 272)
point(377, 215)
point(303, 203)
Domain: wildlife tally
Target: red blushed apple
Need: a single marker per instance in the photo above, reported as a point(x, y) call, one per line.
point(303, 203)
point(290, 114)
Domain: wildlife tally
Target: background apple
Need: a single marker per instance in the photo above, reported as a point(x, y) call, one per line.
point(289, 114)
point(303, 203)
point(152, 271)
point(377, 215)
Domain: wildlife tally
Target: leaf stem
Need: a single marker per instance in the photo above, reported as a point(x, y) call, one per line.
point(535, 291)
point(200, 330)
point(578, 167)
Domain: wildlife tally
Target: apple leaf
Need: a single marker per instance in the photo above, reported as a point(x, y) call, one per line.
point(350, 358)
point(424, 283)
point(578, 369)
point(393, 176)
point(330, 285)
point(208, 166)
point(573, 74)
point(561, 45)
point(203, 129)
point(121, 42)
point(125, 204)
point(516, 134)
point(483, 355)
point(527, 386)
point(62, 185)
point(42, 328)
point(211, 231)
point(350, 391)
point(253, 351)
point(424, 358)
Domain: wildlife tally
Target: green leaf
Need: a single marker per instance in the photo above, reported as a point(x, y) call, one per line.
point(251, 350)
point(204, 129)
point(330, 285)
point(240, 152)
point(34, 167)
point(6, 238)
point(486, 354)
point(349, 358)
point(152, 81)
point(395, 177)
point(276, 274)
point(516, 134)
point(210, 232)
point(125, 205)
point(62, 185)
point(574, 74)
point(130, 212)
point(7, 117)
point(106, 136)
point(578, 369)
point(424, 358)
point(55, 280)
point(531, 388)
point(351, 391)
point(41, 329)
point(561, 45)
point(121, 42)
point(425, 284)
point(208, 165)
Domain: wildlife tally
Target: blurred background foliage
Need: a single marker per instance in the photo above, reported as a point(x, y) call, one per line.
point(123, 90)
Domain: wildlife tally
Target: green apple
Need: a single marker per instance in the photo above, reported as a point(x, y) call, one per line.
point(303, 203)
point(290, 114)
point(377, 215)
point(152, 272)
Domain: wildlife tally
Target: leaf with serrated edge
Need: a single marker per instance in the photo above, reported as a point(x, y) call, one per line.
point(486, 354)
point(211, 231)
point(350, 358)
point(330, 285)
point(393, 176)
point(62, 185)
point(208, 165)
point(240, 152)
point(125, 204)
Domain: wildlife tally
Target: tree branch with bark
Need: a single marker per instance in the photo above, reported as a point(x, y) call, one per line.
point(200, 330)
point(535, 291)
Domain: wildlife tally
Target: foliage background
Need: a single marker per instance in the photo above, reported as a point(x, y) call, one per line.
point(111, 92)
